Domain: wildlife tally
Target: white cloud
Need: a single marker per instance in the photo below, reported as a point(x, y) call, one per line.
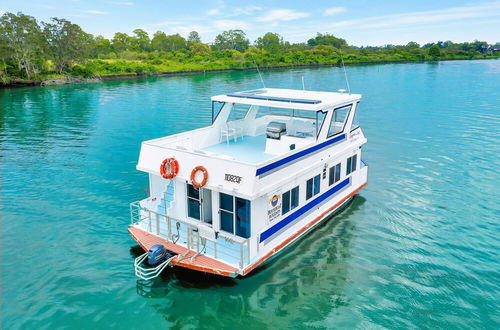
point(247, 10)
point(282, 15)
point(95, 12)
point(213, 12)
point(224, 11)
point(230, 24)
point(334, 11)
point(423, 17)
point(123, 3)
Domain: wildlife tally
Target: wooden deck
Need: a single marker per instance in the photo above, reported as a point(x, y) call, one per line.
point(200, 263)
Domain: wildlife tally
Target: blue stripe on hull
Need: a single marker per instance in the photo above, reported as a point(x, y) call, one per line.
point(340, 207)
point(298, 155)
point(304, 209)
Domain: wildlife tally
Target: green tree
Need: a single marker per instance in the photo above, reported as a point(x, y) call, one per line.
point(434, 51)
point(121, 42)
point(232, 39)
point(271, 42)
point(327, 39)
point(194, 37)
point(199, 48)
point(176, 42)
point(140, 41)
point(159, 42)
point(412, 45)
point(67, 43)
point(101, 46)
point(22, 41)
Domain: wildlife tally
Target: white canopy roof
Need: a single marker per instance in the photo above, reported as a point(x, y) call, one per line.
point(289, 98)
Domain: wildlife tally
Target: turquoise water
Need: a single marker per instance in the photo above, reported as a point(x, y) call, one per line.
point(419, 248)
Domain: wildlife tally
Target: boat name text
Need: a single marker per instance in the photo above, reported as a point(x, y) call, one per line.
point(232, 178)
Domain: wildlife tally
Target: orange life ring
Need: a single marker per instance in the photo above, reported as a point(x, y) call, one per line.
point(169, 168)
point(195, 170)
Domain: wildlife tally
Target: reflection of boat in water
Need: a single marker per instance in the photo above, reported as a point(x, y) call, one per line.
point(226, 198)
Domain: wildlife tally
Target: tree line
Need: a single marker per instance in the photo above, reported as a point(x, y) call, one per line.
point(35, 50)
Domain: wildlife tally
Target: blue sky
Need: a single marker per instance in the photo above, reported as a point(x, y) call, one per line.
point(360, 22)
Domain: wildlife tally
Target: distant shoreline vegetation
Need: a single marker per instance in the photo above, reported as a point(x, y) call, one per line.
point(32, 53)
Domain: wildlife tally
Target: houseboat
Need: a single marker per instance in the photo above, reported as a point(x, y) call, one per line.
point(226, 198)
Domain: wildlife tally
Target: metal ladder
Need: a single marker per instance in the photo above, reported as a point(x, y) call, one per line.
point(149, 273)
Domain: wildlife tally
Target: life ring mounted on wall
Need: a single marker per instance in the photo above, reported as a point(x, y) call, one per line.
point(169, 168)
point(203, 182)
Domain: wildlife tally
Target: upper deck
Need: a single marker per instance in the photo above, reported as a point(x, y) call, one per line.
point(288, 98)
point(256, 133)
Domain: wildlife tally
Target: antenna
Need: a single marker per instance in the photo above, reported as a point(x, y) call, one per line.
point(345, 73)
point(261, 80)
point(303, 85)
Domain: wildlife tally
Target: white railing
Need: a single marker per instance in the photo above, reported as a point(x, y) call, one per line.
point(149, 273)
point(226, 248)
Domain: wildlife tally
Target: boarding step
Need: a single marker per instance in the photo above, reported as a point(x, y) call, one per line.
point(167, 198)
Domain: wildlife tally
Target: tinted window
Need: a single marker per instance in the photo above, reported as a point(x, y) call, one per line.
point(238, 111)
point(226, 221)
point(338, 120)
point(216, 109)
point(295, 197)
point(320, 118)
point(268, 111)
point(355, 122)
point(242, 217)
point(285, 206)
point(309, 188)
point(194, 209)
point(351, 164)
point(317, 182)
point(226, 202)
point(192, 192)
point(334, 175)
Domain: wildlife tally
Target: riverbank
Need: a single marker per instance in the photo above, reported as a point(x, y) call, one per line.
point(64, 80)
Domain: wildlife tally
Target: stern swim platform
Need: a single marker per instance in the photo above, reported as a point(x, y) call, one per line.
point(274, 164)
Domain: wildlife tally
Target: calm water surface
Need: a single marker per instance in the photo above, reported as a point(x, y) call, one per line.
point(419, 248)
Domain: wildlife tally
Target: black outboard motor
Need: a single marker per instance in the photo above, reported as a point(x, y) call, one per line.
point(156, 254)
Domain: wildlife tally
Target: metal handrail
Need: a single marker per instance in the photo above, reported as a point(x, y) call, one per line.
point(141, 214)
point(149, 273)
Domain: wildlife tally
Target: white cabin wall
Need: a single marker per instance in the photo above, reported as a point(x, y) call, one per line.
point(157, 185)
point(258, 214)
point(358, 178)
point(215, 210)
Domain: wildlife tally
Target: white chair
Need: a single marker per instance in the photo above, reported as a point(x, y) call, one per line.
point(238, 130)
point(227, 133)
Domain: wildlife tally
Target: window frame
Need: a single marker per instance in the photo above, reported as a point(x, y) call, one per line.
point(234, 215)
point(354, 117)
point(228, 120)
point(199, 201)
point(318, 127)
point(313, 186)
point(351, 165)
point(219, 111)
point(350, 105)
point(332, 172)
point(293, 194)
